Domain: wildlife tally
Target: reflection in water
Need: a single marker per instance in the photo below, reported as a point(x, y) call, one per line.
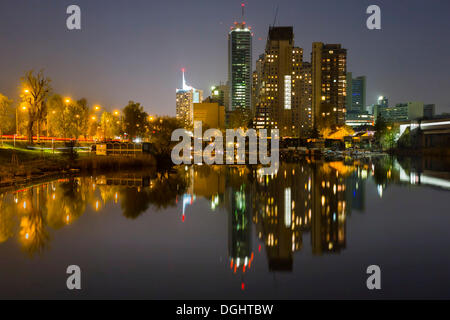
point(309, 199)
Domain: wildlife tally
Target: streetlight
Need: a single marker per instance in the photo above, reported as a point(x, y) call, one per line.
point(97, 107)
point(67, 100)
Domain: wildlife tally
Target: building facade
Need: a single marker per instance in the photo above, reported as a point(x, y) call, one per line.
point(401, 112)
point(356, 94)
point(279, 84)
point(212, 115)
point(329, 84)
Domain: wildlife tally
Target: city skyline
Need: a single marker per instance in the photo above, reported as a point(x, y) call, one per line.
point(119, 43)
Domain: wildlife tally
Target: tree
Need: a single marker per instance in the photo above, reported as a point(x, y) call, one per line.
point(240, 118)
point(161, 129)
point(59, 120)
point(6, 114)
point(135, 120)
point(108, 125)
point(35, 91)
point(79, 114)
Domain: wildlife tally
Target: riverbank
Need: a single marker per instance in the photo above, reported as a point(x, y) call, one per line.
point(24, 166)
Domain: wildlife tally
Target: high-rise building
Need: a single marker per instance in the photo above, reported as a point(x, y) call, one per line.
point(280, 83)
point(306, 117)
point(256, 82)
point(356, 94)
point(240, 66)
point(185, 99)
point(329, 84)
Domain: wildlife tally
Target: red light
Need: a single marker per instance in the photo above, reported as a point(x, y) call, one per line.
point(182, 218)
point(243, 5)
point(259, 248)
point(182, 70)
point(243, 286)
point(243, 269)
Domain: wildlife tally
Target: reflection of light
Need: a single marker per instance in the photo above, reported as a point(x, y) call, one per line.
point(27, 236)
point(96, 205)
point(24, 204)
point(380, 190)
point(287, 207)
point(67, 218)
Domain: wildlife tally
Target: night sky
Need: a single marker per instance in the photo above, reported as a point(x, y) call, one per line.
point(134, 49)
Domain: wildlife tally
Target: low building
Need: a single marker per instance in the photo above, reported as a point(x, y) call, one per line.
point(210, 114)
point(357, 119)
point(401, 112)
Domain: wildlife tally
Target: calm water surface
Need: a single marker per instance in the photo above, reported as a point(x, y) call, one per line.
point(201, 232)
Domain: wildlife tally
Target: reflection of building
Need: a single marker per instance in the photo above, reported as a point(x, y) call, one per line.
point(281, 213)
point(185, 98)
point(299, 199)
point(355, 191)
point(329, 208)
point(240, 225)
point(329, 74)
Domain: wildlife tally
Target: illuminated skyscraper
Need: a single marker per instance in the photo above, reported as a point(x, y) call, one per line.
point(186, 97)
point(306, 116)
point(329, 84)
point(240, 66)
point(279, 83)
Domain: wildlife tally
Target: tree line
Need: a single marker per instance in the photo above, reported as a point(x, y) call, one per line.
point(40, 111)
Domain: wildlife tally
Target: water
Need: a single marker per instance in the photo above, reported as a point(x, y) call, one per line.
point(201, 232)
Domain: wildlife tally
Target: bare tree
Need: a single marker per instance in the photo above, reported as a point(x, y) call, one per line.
point(35, 90)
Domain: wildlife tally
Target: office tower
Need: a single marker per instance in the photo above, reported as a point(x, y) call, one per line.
point(356, 94)
point(185, 99)
point(306, 117)
point(280, 83)
point(240, 66)
point(329, 84)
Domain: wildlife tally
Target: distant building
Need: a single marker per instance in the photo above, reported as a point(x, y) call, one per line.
point(219, 94)
point(429, 111)
point(185, 99)
point(256, 83)
point(356, 93)
point(212, 114)
point(401, 112)
point(240, 66)
point(329, 84)
point(356, 119)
